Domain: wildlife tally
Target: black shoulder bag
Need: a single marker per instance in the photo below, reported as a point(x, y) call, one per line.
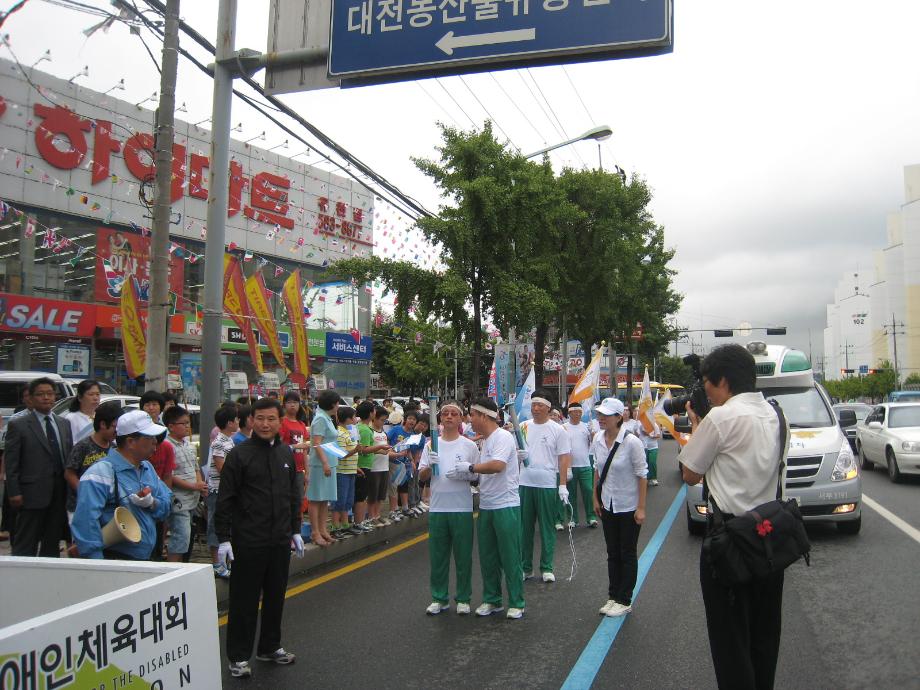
point(600, 484)
point(760, 542)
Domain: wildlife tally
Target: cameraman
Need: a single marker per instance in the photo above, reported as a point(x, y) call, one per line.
point(736, 446)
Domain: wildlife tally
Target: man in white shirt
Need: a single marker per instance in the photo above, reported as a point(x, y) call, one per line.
point(499, 531)
point(582, 472)
point(736, 447)
point(543, 484)
point(450, 517)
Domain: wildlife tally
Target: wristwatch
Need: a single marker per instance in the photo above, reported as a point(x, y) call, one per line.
point(472, 465)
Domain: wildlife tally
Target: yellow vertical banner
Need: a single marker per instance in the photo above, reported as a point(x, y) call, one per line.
point(262, 313)
point(237, 307)
point(133, 338)
point(293, 301)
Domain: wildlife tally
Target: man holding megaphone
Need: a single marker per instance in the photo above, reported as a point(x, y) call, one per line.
point(120, 498)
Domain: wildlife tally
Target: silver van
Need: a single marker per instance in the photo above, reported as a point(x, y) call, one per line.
point(821, 470)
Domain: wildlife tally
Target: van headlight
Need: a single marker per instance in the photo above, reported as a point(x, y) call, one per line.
point(911, 446)
point(845, 467)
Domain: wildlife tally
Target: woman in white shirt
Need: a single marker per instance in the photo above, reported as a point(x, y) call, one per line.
point(619, 499)
point(83, 409)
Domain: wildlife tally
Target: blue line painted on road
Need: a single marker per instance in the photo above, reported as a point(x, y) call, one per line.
point(592, 656)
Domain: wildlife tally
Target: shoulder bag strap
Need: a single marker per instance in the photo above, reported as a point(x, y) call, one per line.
point(783, 432)
point(606, 469)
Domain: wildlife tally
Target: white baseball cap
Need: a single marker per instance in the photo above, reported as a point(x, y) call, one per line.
point(138, 422)
point(610, 406)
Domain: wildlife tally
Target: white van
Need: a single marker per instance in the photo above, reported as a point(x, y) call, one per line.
point(13, 383)
point(821, 471)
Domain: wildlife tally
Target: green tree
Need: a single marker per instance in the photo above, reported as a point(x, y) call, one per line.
point(405, 355)
point(673, 370)
point(912, 380)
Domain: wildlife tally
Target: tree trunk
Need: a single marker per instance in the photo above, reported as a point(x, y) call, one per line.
point(538, 347)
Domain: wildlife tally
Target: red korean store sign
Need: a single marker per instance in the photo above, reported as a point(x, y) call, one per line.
point(34, 315)
point(120, 254)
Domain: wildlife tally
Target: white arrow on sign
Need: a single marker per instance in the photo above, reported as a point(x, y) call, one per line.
point(448, 42)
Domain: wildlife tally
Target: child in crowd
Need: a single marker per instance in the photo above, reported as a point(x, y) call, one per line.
point(345, 477)
point(188, 484)
point(366, 450)
point(401, 465)
point(418, 489)
point(244, 417)
point(226, 420)
point(379, 484)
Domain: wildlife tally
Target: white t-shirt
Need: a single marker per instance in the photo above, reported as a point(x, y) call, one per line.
point(580, 440)
point(620, 493)
point(632, 426)
point(81, 425)
point(737, 447)
point(499, 490)
point(650, 442)
point(450, 495)
point(545, 443)
point(381, 460)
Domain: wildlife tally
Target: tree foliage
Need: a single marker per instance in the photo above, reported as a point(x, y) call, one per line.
point(409, 363)
point(673, 370)
point(874, 387)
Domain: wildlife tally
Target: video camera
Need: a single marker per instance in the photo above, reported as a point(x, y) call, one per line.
point(696, 396)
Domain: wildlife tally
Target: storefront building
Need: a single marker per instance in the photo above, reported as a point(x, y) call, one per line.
point(76, 186)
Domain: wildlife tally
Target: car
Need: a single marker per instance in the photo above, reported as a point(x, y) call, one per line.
point(861, 410)
point(62, 406)
point(822, 474)
point(904, 396)
point(103, 386)
point(12, 383)
point(890, 436)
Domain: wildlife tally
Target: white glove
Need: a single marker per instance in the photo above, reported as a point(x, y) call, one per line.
point(460, 471)
point(432, 457)
point(296, 544)
point(225, 553)
point(141, 501)
point(564, 493)
point(523, 456)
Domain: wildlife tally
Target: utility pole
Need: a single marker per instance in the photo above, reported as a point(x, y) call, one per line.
point(158, 310)
point(845, 351)
point(894, 333)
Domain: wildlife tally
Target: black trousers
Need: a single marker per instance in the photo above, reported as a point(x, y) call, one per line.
point(256, 572)
point(622, 536)
point(744, 624)
point(39, 531)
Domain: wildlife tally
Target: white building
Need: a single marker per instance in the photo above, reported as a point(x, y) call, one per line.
point(888, 299)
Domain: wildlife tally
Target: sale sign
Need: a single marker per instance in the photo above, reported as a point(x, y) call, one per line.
point(121, 254)
point(36, 315)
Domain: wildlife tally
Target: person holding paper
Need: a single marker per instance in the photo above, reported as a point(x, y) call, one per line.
point(450, 520)
point(321, 475)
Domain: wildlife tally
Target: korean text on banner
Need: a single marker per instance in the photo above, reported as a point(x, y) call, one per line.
point(133, 338)
point(293, 301)
point(265, 320)
point(238, 307)
point(646, 417)
point(587, 384)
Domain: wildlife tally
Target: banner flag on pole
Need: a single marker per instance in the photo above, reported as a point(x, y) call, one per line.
point(493, 390)
point(646, 404)
point(590, 379)
point(262, 313)
point(293, 301)
point(522, 399)
point(133, 338)
point(238, 307)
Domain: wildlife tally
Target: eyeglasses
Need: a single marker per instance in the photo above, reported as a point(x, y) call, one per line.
point(179, 423)
point(43, 394)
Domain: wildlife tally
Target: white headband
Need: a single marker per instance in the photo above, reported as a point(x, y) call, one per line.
point(542, 401)
point(454, 405)
point(485, 410)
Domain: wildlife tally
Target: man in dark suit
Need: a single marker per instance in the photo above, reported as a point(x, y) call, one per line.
point(37, 444)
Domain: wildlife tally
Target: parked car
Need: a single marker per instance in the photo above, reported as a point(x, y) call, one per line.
point(13, 383)
point(103, 386)
point(904, 396)
point(890, 436)
point(61, 406)
point(861, 410)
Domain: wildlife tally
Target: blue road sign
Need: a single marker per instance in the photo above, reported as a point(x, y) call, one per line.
point(863, 368)
point(371, 38)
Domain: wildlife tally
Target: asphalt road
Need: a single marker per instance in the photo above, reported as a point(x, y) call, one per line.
point(851, 620)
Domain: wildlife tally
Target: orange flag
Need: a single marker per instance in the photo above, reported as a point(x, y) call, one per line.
point(238, 308)
point(133, 338)
point(262, 313)
point(294, 304)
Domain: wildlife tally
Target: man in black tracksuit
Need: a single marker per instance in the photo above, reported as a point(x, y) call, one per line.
point(258, 510)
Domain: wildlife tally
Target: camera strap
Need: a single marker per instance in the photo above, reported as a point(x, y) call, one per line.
point(600, 484)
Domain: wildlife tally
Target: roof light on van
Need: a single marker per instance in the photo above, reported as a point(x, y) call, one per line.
point(757, 347)
point(795, 360)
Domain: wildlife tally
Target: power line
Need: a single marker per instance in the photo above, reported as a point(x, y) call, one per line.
point(549, 105)
point(490, 116)
point(515, 104)
point(437, 102)
point(591, 119)
point(456, 103)
point(540, 105)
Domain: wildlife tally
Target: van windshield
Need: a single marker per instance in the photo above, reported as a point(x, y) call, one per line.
point(804, 407)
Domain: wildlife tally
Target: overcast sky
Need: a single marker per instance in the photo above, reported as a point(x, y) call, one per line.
point(774, 136)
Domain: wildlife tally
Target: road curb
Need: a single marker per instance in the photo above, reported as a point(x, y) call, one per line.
point(316, 556)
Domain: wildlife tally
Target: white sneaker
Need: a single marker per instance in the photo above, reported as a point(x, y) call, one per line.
point(486, 609)
point(515, 613)
point(423, 505)
point(571, 524)
point(549, 577)
point(653, 482)
point(558, 526)
point(618, 610)
point(463, 609)
point(434, 608)
point(529, 575)
point(606, 607)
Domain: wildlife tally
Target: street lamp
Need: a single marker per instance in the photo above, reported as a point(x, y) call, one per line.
point(599, 133)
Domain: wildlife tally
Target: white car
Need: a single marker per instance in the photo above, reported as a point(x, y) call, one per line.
point(890, 436)
point(62, 406)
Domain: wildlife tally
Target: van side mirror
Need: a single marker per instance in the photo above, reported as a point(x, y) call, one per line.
point(846, 418)
point(875, 426)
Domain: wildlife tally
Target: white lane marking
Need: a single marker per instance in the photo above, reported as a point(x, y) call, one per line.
point(908, 529)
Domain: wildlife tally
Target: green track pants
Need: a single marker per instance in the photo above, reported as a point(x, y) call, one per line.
point(583, 480)
point(540, 506)
point(450, 533)
point(499, 537)
point(651, 457)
